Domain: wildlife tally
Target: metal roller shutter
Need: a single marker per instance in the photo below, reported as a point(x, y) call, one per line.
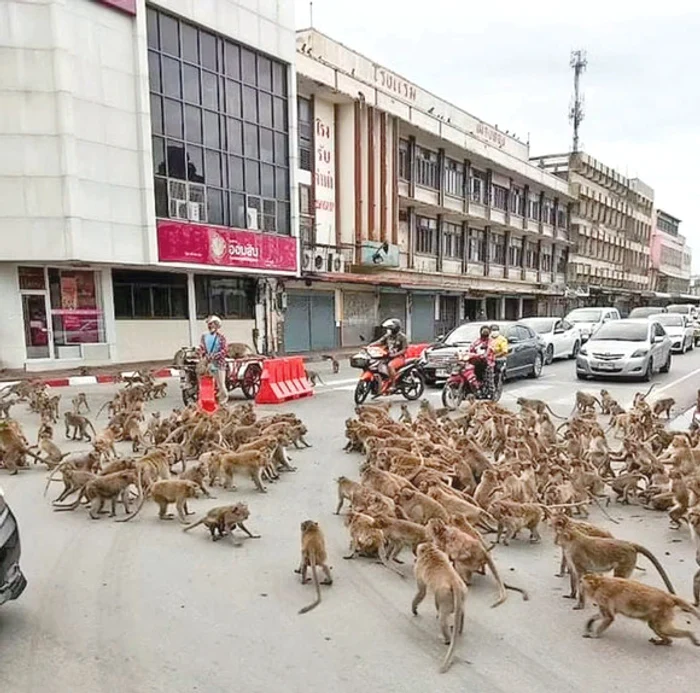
point(423, 318)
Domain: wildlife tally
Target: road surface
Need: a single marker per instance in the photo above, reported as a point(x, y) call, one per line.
point(143, 607)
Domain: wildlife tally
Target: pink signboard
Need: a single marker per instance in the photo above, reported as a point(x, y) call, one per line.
point(199, 244)
point(128, 6)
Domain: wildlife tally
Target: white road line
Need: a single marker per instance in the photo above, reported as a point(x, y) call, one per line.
point(676, 382)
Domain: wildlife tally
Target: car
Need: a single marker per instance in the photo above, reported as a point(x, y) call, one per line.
point(688, 309)
point(562, 339)
point(646, 311)
point(525, 356)
point(589, 319)
point(12, 581)
point(624, 348)
point(679, 329)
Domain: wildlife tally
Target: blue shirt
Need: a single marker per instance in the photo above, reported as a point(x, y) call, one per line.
point(210, 343)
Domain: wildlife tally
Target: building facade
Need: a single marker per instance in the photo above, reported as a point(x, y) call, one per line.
point(611, 224)
point(412, 208)
point(148, 176)
point(671, 257)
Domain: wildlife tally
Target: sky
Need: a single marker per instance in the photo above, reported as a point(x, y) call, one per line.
point(508, 64)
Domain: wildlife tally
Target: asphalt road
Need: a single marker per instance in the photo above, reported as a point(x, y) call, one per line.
point(143, 607)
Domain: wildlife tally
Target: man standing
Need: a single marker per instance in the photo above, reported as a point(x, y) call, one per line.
point(214, 349)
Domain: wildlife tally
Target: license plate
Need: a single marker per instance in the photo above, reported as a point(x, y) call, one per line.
point(441, 373)
point(606, 366)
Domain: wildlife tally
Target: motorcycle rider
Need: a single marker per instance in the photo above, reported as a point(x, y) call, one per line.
point(396, 344)
point(214, 349)
point(479, 373)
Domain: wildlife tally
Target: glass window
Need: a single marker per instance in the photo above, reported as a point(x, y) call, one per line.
point(171, 77)
point(233, 98)
point(215, 206)
point(265, 108)
point(279, 112)
point(161, 191)
point(477, 245)
point(190, 44)
point(264, 73)
point(235, 136)
point(427, 168)
point(212, 137)
point(173, 119)
point(283, 223)
point(193, 124)
point(252, 177)
point(279, 79)
point(500, 197)
point(195, 164)
point(176, 159)
point(454, 178)
point(159, 156)
point(238, 211)
point(232, 56)
point(426, 232)
point(250, 141)
point(169, 35)
point(213, 168)
point(190, 78)
point(231, 298)
point(236, 173)
point(266, 146)
point(210, 90)
point(281, 149)
point(250, 104)
point(209, 52)
point(157, 114)
point(404, 161)
point(149, 295)
point(154, 75)
point(152, 28)
point(282, 183)
point(248, 67)
point(267, 180)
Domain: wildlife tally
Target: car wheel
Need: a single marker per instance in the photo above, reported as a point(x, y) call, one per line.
point(537, 367)
point(549, 355)
point(581, 376)
point(667, 366)
point(575, 350)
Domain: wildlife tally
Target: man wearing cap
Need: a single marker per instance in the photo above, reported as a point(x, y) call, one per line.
point(214, 349)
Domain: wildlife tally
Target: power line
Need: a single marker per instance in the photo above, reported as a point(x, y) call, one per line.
point(576, 113)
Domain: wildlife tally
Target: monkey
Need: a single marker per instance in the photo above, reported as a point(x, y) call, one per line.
point(238, 350)
point(334, 362)
point(314, 377)
point(586, 554)
point(399, 534)
point(419, 507)
point(102, 488)
point(624, 485)
point(313, 555)
point(607, 402)
point(79, 424)
point(512, 517)
point(663, 405)
point(78, 401)
point(585, 402)
point(5, 406)
point(224, 519)
point(346, 490)
point(536, 405)
point(367, 538)
point(560, 521)
point(14, 446)
point(681, 498)
point(73, 480)
point(694, 525)
point(405, 415)
point(434, 571)
point(486, 488)
point(119, 465)
point(456, 505)
point(251, 460)
point(159, 390)
point(615, 595)
point(196, 475)
point(167, 491)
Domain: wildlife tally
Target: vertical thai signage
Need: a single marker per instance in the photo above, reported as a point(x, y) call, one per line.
point(324, 172)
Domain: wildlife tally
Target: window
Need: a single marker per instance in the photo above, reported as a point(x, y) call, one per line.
point(548, 211)
point(517, 201)
point(143, 295)
point(231, 298)
point(202, 89)
point(515, 252)
point(478, 187)
point(561, 218)
point(306, 215)
point(500, 197)
point(452, 241)
point(534, 208)
point(426, 233)
point(561, 261)
point(427, 168)
point(404, 160)
point(305, 125)
point(477, 245)
point(547, 260)
point(497, 249)
point(531, 256)
point(454, 178)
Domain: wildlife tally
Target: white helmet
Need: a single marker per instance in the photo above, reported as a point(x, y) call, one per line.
point(214, 319)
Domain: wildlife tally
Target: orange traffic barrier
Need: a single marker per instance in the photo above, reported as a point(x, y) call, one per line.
point(415, 350)
point(283, 380)
point(207, 394)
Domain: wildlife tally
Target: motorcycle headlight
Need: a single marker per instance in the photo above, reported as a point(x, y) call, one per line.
point(639, 353)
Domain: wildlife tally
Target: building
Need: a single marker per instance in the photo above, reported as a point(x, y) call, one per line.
point(147, 177)
point(611, 224)
point(410, 207)
point(671, 257)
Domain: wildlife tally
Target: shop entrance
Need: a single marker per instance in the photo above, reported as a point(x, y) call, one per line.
point(36, 326)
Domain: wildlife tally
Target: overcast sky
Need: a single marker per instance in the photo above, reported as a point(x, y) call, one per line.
point(507, 62)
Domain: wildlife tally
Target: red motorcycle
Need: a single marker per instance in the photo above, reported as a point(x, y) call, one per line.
point(409, 381)
point(458, 387)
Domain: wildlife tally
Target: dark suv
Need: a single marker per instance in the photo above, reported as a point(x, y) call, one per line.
point(12, 582)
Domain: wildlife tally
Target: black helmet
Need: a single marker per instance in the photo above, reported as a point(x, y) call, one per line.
point(392, 324)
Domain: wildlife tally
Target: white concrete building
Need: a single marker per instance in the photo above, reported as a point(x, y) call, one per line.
point(671, 256)
point(147, 176)
point(412, 207)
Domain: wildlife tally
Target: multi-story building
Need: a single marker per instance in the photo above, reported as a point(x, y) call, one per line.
point(671, 256)
point(411, 207)
point(611, 223)
point(147, 176)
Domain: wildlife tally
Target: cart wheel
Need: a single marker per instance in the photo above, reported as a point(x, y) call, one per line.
point(251, 381)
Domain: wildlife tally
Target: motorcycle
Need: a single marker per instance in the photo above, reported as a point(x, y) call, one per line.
point(409, 381)
point(244, 373)
point(457, 387)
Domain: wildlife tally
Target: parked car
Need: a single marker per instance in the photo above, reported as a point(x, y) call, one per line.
point(621, 348)
point(12, 582)
point(562, 338)
point(688, 309)
point(588, 320)
point(679, 329)
point(526, 355)
point(646, 311)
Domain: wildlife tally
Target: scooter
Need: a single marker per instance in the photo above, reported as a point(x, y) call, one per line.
point(458, 387)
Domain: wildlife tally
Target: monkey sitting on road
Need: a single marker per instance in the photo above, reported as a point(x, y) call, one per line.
point(79, 424)
point(313, 555)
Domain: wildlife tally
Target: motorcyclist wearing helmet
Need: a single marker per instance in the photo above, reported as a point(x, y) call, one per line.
point(396, 344)
point(214, 349)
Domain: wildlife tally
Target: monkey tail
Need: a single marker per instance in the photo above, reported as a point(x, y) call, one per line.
point(52, 478)
point(502, 596)
point(194, 524)
point(549, 409)
point(685, 606)
point(74, 505)
point(651, 387)
point(664, 575)
point(99, 411)
point(314, 575)
point(458, 615)
point(142, 500)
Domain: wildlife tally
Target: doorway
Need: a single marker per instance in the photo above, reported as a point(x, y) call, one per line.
point(36, 326)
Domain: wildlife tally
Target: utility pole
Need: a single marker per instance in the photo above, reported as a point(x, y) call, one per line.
point(578, 62)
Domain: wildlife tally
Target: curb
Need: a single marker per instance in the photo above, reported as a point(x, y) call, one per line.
point(78, 380)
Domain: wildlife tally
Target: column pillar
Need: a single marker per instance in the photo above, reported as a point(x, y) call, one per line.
point(192, 310)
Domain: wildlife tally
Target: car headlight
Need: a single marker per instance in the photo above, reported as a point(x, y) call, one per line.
point(639, 353)
point(583, 351)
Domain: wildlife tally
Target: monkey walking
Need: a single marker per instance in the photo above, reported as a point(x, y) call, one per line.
point(334, 362)
point(313, 555)
point(662, 406)
point(79, 424)
point(80, 400)
point(224, 519)
point(314, 377)
point(537, 405)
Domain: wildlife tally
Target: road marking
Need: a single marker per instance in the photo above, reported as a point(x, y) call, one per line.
point(676, 382)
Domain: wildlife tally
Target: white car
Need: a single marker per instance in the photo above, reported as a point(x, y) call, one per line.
point(588, 320)
point(562, 339)
point(679, 329)
point(625, 348)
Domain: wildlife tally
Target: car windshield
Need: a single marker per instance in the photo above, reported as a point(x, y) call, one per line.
point(644, 312)
point(464, 334)
point(678, 308)
point(620, 331)
point(670, 320)
point(584, 315)
point(540, 325)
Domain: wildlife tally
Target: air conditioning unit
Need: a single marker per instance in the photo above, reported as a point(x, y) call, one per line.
point(197, 202)
point(319, 261)
point(177, 200)
point(336, 262)
point(307, 261)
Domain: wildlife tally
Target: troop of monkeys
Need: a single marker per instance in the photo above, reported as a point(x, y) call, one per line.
point(435, 484)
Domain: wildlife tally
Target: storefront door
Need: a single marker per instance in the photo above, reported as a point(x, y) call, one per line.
point(36, 326)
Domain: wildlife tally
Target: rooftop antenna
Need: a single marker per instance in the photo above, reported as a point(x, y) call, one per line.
point(578, 62)
point(311, 13)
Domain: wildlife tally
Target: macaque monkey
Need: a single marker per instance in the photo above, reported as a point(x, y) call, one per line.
point(561, 521)
point(73, 480)
point(109, 487)
point(5, 406)
point(694, 524)
point(512, 517)
point(314, 377)
point(237, 350)
point(167, 491)
point(346, 490)
point(334, 362)
point(434, 572)
point(405, 416)
point(159, 390)
point(251, 461)
point(614, 595)
point(224, 519)
point(399, 534)
point(585, 402)
point(79, 401)
point(419, 507)
point(197, 475)
point(536, 405)
point(79, 424)
point(606, 402)
point(662, 406)
point(313, 555)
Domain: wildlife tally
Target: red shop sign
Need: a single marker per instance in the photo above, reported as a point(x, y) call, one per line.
point(199, 244)
point(128, 6)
